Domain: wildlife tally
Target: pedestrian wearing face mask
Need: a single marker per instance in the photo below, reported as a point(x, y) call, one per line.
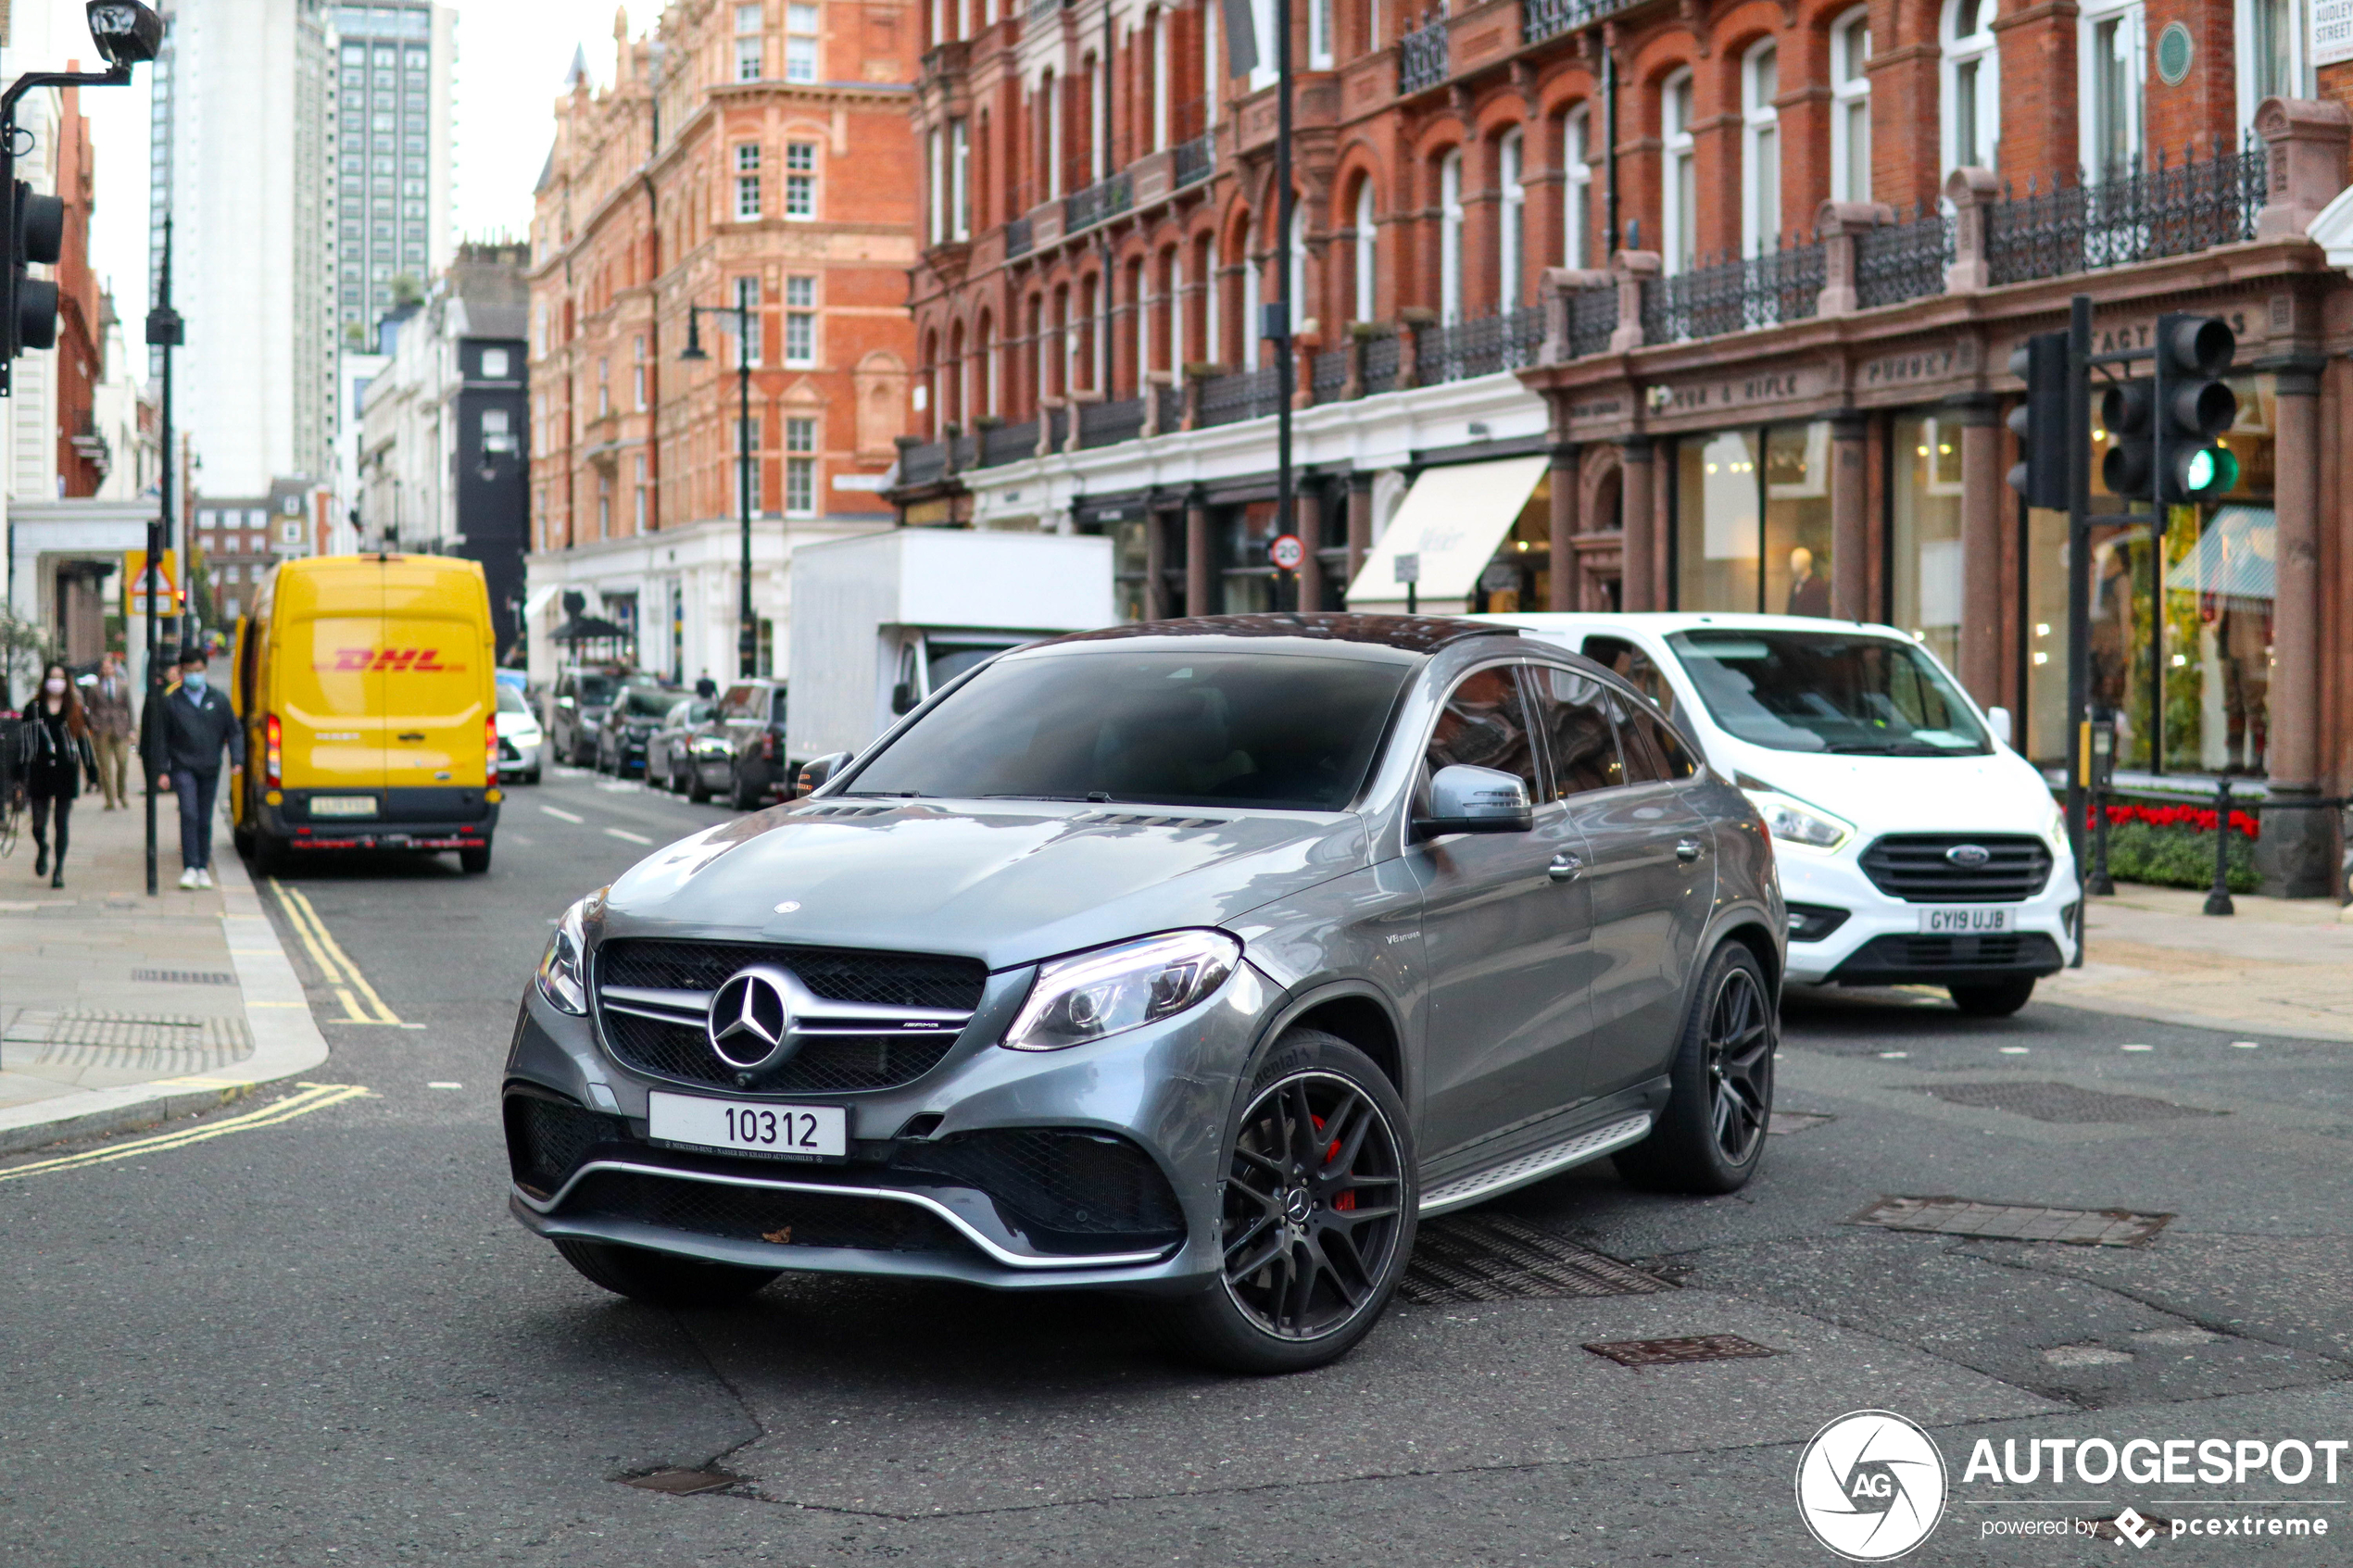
point(107, 704)
point(55, 759)
point(197, 723)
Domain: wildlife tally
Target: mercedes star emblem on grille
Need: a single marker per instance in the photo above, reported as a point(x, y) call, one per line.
point(1968, 856)
point(749, 1017)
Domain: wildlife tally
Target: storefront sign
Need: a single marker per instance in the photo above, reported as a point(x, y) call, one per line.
point(1923, 365)
point(1762, 391)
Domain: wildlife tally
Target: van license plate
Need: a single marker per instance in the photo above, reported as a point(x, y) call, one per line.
point(342, 806)
point(779, 1131)
point(1969, 919)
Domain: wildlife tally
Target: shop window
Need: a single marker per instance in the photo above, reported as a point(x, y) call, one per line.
point(1925, 547)
point(1246, 579)
point(1753, 520)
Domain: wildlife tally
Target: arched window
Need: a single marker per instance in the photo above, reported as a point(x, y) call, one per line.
point(1366, 235)
point(1972, 85)
point(1679, 195)
point(988, 367)
point(1449, 238)
point(1050, 117)
point(1246, 339)
point(1211, 69)
point(1576, 211)
point(953, 409)
point(1851, 107)
point(1760, 150)
point(1511, 234)
point(2114, 81)
point(1138, 302)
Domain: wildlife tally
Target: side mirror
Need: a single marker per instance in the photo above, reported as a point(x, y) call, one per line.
point(1468, 800)
point(902, 697)
point(817, 771)
point(1998, 721)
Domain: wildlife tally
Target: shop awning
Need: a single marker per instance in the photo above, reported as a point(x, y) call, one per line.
point(2234, 559)
point(1455, 519)
point(541, 598)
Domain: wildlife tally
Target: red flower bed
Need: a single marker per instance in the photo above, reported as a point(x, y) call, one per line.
point(2199, 819)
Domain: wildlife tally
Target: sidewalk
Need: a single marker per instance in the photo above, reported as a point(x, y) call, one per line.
point(2277, 967)
point(119, 1010)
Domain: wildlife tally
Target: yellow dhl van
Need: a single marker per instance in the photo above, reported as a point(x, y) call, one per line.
point(366, 687)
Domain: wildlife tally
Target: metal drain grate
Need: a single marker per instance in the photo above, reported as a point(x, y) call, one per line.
point(183, 977)
point(163, 1046)
point(2061, 1102)
point(1495, 1258)
point(1680, 1352)
point(2013, 1222)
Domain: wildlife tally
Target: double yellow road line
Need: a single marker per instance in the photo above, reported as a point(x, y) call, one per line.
point(305, 1099)
point(342, 975)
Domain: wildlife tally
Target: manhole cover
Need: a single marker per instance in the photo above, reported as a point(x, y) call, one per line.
point(1495, 1258)
point(1676, 1352)
point(164, 1045)
point(183, 977)
point(2061, 1102)
point(2013, 1222)
point(682, 1483)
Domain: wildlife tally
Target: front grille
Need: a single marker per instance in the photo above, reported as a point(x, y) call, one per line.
point(907, 980)
point(834, 1063)
point(2030, 951)
point(547, 1139)
point(1914, 867)
point(785, 1218)
point(1070, 1192)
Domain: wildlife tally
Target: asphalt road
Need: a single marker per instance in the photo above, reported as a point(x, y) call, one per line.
point(323, 1341)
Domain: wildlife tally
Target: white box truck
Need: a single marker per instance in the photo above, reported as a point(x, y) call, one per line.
point(882, 621)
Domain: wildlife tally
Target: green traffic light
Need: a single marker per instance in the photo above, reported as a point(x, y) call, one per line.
point(2201, 471)
point(2211, 472)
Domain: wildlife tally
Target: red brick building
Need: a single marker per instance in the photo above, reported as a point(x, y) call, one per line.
point(758, 146)
point(82, 455)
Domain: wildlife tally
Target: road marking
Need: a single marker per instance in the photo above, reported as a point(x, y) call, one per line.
point(443, 1084)
point(2011, 1050)
point(2246, 1044)
point(307, 1099)
point(563, 816)
point(632, 837)
point(2136, 1047)
point(341, 973)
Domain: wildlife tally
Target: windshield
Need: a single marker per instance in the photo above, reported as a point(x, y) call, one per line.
point(645, 702)
point(595, 690)
point(1169, 728)
point(510, 700)
point(1814, 691)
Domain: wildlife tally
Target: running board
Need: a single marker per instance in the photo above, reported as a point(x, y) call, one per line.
point(1535, 1167)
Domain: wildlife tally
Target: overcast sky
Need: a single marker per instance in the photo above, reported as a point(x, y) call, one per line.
point(512, 58)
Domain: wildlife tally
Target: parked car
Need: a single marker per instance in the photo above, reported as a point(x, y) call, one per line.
point(739, 750)
point(521, 739)
point(1196, 960)
point(666, 748)
point(635, 713)
point(575, 708)
point(1915, 846)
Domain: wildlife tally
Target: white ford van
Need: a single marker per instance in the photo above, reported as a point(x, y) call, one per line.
point(1915, 845)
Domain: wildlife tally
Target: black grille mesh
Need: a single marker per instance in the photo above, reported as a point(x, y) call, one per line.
point(790, 1218)
point(907, 980)
point(1912, 867)
point(1069, 1192)
point(828, 1064)
point(2014, 950)
point(547, 1139)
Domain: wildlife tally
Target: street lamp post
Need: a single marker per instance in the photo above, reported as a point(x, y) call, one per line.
point(748, 631)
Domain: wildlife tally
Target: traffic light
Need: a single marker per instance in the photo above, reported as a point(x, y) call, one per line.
point(2040, 422)
point(36, 236)
point(2195, 407)
point(2131, 462)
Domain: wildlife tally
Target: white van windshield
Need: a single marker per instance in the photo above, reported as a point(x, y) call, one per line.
point(1823, 691)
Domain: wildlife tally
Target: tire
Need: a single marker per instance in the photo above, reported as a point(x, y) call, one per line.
point(532, 777)
point(698, 792)
point(661, 1279)
point(270, 855)
point(742, 799)
point(1254, 1320)
point(474, 862)
point(1993, 998)
point(1711, 1136)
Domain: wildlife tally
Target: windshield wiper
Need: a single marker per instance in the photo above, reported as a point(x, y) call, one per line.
point(1894, 748)
point(1095, 797)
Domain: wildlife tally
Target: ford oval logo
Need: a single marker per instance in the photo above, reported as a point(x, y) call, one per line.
point(1970, 856)
point(749, 1017)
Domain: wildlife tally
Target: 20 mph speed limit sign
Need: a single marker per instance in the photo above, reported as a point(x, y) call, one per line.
point(1287, 551)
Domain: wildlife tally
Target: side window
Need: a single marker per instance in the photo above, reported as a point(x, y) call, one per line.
point(1575, 726)
point(1484, 725)
point(739, 703)
point(1653, 751)
point(1626, 660)
point(776, 706)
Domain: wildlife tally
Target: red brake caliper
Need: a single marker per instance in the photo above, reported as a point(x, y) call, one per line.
point(1346, 1200)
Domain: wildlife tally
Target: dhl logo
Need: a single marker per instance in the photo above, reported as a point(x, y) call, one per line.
point(420, 661)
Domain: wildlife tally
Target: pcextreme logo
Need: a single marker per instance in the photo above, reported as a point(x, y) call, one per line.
point(421, 661)
point(1870, 1486)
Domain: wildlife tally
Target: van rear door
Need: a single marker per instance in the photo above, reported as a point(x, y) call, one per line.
point(436, 684)
point(330, 705)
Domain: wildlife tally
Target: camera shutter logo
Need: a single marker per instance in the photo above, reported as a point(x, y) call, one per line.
point(1870, 1486)
point(749, 1016)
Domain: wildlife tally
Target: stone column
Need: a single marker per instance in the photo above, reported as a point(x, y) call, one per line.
point(1563, 595)
point(2304, 143)
point(2298, 844)
point(1307, 521)
point(1197, 573)
point(1155, 565)
point(1360, 522)
point(1850, 519)
point(1644, 584)
point(1981, 492)
point(1971, 191)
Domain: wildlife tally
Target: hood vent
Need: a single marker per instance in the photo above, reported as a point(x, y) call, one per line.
point(1139, 820)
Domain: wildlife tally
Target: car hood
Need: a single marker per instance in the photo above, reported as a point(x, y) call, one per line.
point(1008, 882)
point(1997, 793)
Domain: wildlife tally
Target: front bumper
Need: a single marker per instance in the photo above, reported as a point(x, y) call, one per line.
point(895, 1207)
point(431, 819)
point(1880, 942)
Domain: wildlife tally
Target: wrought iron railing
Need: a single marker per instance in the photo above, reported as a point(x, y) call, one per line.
point(1383, 354)
point(1195, 159)
point(963, 452)
point(1008, 443)
point(1895, 262)
point(1040, 10)
point(1108, 424)
point(2137, 214)
point(1327, 375)
point(1421, 56)
point(923, 463)
point(1172, 408)
point(1539, 19)
point(1480, 347)
point(1018, 238)
point(1104, 199)
point(1245, 394)
point(1592, 321)
point(1734, 295)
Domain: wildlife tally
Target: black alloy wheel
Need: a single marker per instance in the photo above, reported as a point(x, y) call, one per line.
point(1311, 1206)
point(1739, 1044)
point(1710, 1136)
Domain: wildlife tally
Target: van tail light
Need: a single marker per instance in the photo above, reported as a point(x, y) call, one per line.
point(274, 753)
point(490, 748)
point(768, 746)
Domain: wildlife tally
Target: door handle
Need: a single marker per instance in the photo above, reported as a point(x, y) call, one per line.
point(1566, 867)
point(411, 735)
point(1687, 850)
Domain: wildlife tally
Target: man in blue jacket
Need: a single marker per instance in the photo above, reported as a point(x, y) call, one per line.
point(196, 723)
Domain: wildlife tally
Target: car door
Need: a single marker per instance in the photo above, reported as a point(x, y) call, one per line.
point(1502, 930)
point(1652, 876)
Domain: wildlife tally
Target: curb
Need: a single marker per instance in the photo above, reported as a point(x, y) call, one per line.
point(286, 1041)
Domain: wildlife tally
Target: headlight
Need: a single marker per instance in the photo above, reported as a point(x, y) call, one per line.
point(705, 746)
point(1792, 821)
point(563, 972)
point(1091, 995)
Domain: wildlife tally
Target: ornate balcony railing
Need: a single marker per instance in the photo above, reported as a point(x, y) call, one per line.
point(1008, 443)
point(1018, 238)
point(1108, 424)
point(1172, 408)
point(1539, 19)
point(1592, 319)
point(1195, 159)
point(1245, 394)
point(1421, 56)
point(1735, 295)
point(2138, 213)
point(922, 462)
point(1480, 347)
point(1327, 375)
point(1383, 355)
point(1899, 261)
point(1105, 199)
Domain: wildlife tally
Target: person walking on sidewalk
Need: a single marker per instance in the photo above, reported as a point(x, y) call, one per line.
point(55, 759)
point(198, 721)
point(109, 711)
